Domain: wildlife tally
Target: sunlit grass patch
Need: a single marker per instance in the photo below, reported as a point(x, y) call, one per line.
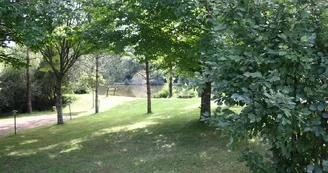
point(124, 139)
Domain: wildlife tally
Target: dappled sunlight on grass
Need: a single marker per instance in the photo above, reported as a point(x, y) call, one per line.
point(22, 153)
point(25, 152)
point(69, 146)
point(9, 148)
point(124, 139)
point(168, 146)
point(139, 161)
point(205, 156)
point(49, 147)
point(29, 142)
point(72, 145)
point(138, 125)
point(84, 104)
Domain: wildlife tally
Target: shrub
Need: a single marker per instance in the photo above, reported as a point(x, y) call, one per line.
point(183, 91)
point(81, 91)
point(163, 93)
point(278, 73)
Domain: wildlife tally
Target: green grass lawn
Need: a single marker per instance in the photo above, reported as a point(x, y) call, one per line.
point(82, 105)
point(123, 139)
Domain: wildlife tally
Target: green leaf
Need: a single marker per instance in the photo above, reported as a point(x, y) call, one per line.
point(313, 108)
point(252, 117)
point(283, 53)
point(235, 58)
point(325, 115)
point(321, 107)
point(274, 78)
point(310, 168)
point(228, 111)
point(283, 36)
point(325, 165)
point(305, 14)
point(317, 169)
point(287, 113)
point(254, 75)
point(279, 116)
point(325, 137)
point(307, 129)
point(304, 39)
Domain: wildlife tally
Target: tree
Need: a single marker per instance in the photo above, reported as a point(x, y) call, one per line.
point(97, 56)
point(116, 68)
point(15, 84)
point(193, 46)
point(140, 24)
point(8, 32)
point(64, 44)
point(173, 30)
point(278, 73)
point(21, 22)
point(28, 82)
point(170, 29)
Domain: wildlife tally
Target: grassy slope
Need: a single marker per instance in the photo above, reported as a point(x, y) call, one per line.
point(123, 139)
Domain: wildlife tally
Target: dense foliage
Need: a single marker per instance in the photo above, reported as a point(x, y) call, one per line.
point(270, 57)
point(272, 60)
point(13, 83)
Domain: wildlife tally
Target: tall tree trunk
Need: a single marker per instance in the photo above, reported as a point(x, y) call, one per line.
point(205, 110)
point(148, 89)
point(28, 82)
point(97, 83)
point(59, 102)
point(170, 85)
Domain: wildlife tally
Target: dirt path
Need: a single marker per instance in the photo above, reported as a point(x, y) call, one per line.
point(7, 125)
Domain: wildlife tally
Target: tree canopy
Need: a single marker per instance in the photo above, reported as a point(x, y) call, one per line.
point(269, 57)
point(272, 62)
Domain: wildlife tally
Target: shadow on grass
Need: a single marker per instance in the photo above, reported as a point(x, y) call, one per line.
point(170, 140)
point(154, 147)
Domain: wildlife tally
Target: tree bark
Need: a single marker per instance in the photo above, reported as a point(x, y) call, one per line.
point(205, 110)
point(59, 102)
point(171, 85)
point(148, 89)
point(97, 84)
point(28, 82)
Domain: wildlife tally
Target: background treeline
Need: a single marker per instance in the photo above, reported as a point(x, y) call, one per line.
point(80, 80)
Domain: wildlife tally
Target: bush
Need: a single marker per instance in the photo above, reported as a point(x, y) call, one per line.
point(280, 81)
point(183, 92)
point(13, 92)
point(81, 91)
point(163, 93)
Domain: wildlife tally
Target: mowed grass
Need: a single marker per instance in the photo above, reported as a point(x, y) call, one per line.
point(124, 139)
point(82, 105)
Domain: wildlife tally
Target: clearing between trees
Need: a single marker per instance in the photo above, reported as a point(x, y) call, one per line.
point(80, 107)
point(124, 139)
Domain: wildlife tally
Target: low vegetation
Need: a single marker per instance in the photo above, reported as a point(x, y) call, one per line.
point(124, 139)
